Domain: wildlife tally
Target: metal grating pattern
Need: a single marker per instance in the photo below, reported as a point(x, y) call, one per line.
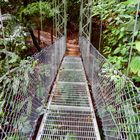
point(70, 115)
point(71, 124)
point(71, 76)
point(72, 70)
point(74, 66)
point(70, 95)
point(73, 59)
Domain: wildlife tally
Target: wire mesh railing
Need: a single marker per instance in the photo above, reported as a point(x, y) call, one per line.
point(24, 91)
point(117, 99)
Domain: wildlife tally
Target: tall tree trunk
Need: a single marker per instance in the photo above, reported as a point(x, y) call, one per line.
point(52, 34)
point(26, 2)
point(39, 40)
point(34, 39)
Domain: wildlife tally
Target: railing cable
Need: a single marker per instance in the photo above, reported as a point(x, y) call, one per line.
point(41, 20)
point(101, 28)
point(133, 37)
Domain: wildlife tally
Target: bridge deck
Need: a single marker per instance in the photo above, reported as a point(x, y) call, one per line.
point(70, 115)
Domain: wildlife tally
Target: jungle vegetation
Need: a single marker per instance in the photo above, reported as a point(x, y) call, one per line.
point(114, 20)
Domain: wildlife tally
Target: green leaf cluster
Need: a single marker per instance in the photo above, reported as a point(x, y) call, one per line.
point(38, 9)
point(118, 20)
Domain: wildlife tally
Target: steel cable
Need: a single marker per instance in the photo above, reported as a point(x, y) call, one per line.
point(133, 37)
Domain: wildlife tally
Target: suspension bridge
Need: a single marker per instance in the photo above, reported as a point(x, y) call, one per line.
point(65, 94)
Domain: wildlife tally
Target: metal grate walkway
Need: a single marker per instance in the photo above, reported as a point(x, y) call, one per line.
point(70, 115)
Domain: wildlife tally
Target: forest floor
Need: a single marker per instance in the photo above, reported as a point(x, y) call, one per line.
point(45, 40)
point(72, 43)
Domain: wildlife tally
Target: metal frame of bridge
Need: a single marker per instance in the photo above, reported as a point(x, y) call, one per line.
point(70, 113)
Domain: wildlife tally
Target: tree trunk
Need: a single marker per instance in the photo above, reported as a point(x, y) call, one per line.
point(34, 39)
point(39, 40)
point(31, 30)
point(52, 34)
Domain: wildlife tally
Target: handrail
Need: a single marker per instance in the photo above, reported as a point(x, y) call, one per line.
point(116, 97)
point(24, 91)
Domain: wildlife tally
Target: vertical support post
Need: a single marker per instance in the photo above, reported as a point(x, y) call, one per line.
point(0, 18)
point(87, 58)
point(60, 17)
point(65, 17)
point(56, 19)
point(60, 24)
point(81, 18)
point(86, 27)
point(41, 20)
point(90, 2)
point(85, 19)
point(1, 22)
point(65, 23)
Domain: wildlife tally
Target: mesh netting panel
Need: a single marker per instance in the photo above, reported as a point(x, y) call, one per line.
point(117, 99)
point(23, 93)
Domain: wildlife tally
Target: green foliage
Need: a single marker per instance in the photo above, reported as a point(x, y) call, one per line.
point(35, 8)
point(16, 68)
point(70, 137)
point(73, 5)
point(125, 101)
point(11, 84)
point(3, 2)
point(118, 24)
point(131, 117)
point(13, 46)
point(14, 137)
point(135, 65)
point(21, 100)
point(137, 44)
point(15, 37)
